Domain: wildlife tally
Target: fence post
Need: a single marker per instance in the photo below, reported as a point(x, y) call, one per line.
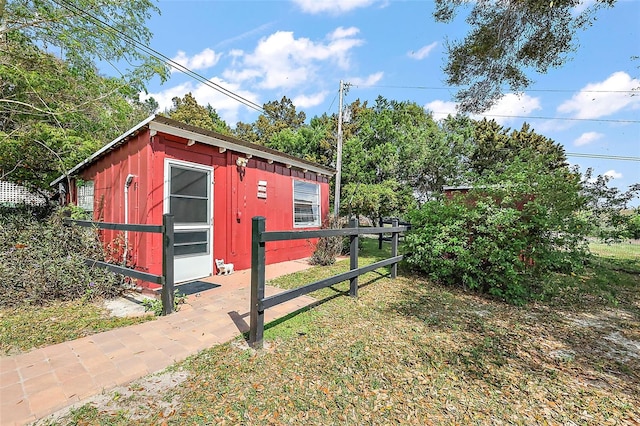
point(167, 263)
point(394, 248)
point(256, 318)
point(353, 257)
point(380, 236)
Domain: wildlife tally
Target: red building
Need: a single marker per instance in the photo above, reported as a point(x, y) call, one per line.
point(213, 184)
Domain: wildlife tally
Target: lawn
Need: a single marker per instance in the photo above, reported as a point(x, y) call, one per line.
point(407, 351)
point(28, 327)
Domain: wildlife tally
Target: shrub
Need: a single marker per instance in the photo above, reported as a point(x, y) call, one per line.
point(473, 246)
point(328, 248)
point(633, 225)
point(502, 238)
point(41, 260)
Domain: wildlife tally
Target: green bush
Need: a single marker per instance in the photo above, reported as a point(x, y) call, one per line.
point(328, 248)
point(41, 260)
point(502, 238)
point(474, 246)
point(633, 225)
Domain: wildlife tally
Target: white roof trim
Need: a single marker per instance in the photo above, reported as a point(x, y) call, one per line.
point(105, 148)
point(223, 145)
point(209, 140)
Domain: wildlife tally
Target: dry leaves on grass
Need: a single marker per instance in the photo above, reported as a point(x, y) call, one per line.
point(409, 352)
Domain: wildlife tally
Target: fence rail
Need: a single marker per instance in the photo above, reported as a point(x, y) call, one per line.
point(381, 236)
point(167, 277)
point(259, 303)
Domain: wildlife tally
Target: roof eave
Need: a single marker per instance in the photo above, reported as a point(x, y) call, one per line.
point(107, 147)
point(266, 153)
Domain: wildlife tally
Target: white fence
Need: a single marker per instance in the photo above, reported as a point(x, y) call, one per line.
point(12, 194)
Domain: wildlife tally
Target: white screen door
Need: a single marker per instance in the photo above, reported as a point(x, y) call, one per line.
point(188, 198)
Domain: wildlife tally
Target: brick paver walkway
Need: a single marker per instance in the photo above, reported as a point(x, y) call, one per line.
point(38, 383)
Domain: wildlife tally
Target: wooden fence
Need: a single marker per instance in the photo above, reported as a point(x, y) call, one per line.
point(259, 303)
point(167, 277)
point(383, 222)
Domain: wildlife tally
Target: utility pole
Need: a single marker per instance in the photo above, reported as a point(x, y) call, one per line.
point(336, 199)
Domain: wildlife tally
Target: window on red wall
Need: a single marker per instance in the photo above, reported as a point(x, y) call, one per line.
point(306, 204)
point(85, 195)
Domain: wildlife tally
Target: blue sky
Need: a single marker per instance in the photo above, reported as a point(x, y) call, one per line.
point(301, 49)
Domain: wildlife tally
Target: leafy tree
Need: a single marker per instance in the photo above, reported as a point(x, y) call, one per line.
point(51, 117)
point(278, 115)
point(633, 224)
point(432, 156)
point(88, 30)
point(220, 124)
point(245, 132)
point(605, 207)
point(310, 142)
point(187, 110)
point(375, 200)
point(56, 110)
point(494, 147)
point(508, 38)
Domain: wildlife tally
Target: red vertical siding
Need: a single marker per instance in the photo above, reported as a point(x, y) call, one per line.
point(235, 200)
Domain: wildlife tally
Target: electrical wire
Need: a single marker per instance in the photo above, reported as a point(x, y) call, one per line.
point(602, 156)
point(528, 90)
point(602, 120)
point(159, 56)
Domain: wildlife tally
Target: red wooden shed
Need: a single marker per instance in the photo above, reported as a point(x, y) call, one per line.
point(213, 184)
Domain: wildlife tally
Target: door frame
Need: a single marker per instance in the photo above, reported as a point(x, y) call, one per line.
point(168, 162)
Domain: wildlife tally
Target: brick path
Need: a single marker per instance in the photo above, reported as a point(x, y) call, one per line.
point(38, 383)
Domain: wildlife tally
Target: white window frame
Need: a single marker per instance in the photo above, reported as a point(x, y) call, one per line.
point(317, 204)
point(86, 195)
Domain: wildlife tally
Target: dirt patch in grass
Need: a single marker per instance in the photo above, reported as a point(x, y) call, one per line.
point(143, 393)
point(410, 352)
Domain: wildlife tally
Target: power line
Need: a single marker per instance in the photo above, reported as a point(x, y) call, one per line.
point(602, 156)
point(528, 90)
point(163, 58)
point(603, 120)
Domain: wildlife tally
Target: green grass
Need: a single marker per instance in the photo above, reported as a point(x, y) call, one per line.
point(28, 327)
point(407, 351)
point(619, 251)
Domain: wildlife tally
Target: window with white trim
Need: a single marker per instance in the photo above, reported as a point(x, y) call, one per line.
point(306, 204)
point(85, 195)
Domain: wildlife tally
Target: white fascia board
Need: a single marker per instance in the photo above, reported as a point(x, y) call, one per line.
point(186, 134)
point(104, 149)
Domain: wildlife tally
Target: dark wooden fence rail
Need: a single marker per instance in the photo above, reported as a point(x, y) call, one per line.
point(258, 239)
point(167, 277)
point(383, 222)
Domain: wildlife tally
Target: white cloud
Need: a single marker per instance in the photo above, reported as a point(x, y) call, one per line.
point(582, 6)
point(308, 101)
point(226, 107)
point(200, 61)
point(281, 61)
point(502, 112)
point(613, 174)
point(333, 6)
point(511, 105)
point(601, 99)
point(342, 32)
point(370, 80)
point(587, 138)
point(423, 52)
point(441, 109)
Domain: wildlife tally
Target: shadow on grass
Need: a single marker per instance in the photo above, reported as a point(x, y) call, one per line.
point(594, 342)
point(243, 327)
